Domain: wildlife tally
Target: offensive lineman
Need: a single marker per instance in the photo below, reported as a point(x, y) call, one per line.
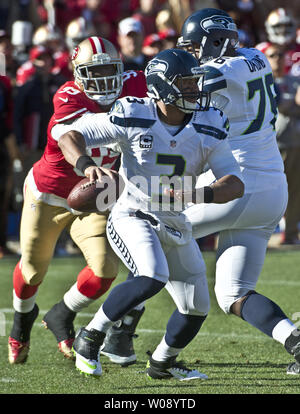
point(241, 84)
point(99, 81)
point(166, 135)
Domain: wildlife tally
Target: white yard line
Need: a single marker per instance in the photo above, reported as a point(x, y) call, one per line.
point(232, 335)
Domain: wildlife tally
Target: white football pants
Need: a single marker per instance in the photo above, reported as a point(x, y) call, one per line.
point(245, 226)
point(182, 268)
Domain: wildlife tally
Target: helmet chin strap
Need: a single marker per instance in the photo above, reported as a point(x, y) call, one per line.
point(186, 107)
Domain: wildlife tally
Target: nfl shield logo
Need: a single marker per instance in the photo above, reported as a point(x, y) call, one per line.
point(173, 143)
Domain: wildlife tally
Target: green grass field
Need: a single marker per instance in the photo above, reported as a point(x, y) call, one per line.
point(237, 358)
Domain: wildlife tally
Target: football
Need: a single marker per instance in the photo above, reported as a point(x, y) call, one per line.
point(95, 196)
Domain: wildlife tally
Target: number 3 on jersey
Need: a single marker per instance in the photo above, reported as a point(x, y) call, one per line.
point(177, 161)
point(261, 86)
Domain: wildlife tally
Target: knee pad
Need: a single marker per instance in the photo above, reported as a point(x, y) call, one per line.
point(191, 296)
point(224, 301)
point(91, 285)
point(33, 273)
point(22, 289)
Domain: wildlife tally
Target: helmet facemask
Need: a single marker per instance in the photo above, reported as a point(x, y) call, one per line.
point(183, 92)
point(101, 79)
point(209, 48)
point(281, 27)
point(281, 33)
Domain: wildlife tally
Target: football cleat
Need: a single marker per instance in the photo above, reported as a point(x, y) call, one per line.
point(59, 320)
point(17, 351)
point(66, 347)
point(18, 341)
point(171, 369)
point(86, 348)
point(118, 343)
point(293, 368)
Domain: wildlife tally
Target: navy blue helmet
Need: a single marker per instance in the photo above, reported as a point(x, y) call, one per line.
point(209, 33)
point(164, 74)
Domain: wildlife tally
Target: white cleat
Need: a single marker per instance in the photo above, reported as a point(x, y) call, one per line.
point(86, 348)
point(88, 366)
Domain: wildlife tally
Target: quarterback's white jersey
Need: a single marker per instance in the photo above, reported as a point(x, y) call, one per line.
point(150, 153)
point(243, 87)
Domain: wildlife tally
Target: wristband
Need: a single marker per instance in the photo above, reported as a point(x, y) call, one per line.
point(83, 162)
point(208, 194)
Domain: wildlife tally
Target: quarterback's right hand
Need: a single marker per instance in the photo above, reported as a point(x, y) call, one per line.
point(95, 173)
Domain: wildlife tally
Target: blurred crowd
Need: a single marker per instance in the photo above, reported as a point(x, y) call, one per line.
point(37, 37)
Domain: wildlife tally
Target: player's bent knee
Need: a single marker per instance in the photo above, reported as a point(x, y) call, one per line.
point(231, 303)
point(91, 285)
point(195, 300)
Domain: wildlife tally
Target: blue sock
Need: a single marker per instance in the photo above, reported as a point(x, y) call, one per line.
point(127, 295)
point(181, 329)
point(262, 313)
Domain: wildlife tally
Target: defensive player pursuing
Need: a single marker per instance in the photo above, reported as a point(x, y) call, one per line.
point(241, 84)
point(164, 137)
point(98, 81)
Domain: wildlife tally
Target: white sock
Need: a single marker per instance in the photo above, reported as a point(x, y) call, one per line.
point(23, 305)
point(100, 322)
point(164, 351)
point(283, 330)
point(75, 300)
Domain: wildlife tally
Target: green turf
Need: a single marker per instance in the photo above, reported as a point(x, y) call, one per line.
point(237, 358)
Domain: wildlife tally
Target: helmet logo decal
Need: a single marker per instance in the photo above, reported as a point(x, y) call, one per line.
point(217, 22)
point(156, 65)
point(75, 53)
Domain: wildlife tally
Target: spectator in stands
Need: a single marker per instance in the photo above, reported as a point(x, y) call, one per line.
point(288, 137)
point(281, 30)
point(168, 37)
point(33, 105)
point(130, 41)
point(78, 30)
point(8, 152)
point(96, 21)
point(6, 48)
point(146, 14)
point(164, 20)
point(52, 38)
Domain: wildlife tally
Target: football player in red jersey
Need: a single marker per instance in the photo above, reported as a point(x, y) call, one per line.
point(281, 30)
point(98, 81)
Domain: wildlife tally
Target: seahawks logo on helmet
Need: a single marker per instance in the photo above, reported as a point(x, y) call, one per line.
point(217, 22)
point(156, 65)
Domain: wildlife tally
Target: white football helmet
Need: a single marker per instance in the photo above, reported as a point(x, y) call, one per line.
point(280, 27)
point(98, 69)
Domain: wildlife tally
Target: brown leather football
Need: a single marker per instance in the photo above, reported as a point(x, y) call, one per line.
point(95, 196)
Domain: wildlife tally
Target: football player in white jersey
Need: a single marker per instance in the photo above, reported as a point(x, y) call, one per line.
point(166, 138)
point(241, 85)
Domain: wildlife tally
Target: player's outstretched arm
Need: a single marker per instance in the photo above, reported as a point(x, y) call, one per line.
point(73, 146)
